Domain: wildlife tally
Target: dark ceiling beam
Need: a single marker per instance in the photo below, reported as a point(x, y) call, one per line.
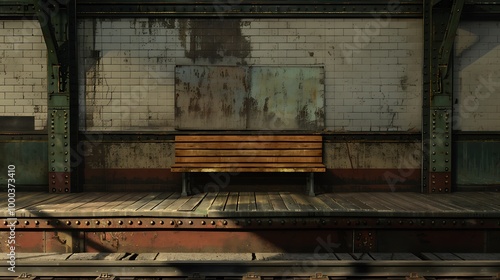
point(258, 8)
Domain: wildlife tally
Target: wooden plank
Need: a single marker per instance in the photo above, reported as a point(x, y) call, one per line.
point(394, 256)
point(277, 201)
point(33, 200)
point(178, 203)
point(57, 205)
point(318, 204)
point(232, 202)
point(102, 200)
point(146, 256)
point(263, 202)
point(248, 138)
point(262, 159)
point(157, 200)
point(370, 202)
point(205, 204)
point(193, 201)
point(25, 198)
point(380, 204)
point(119, 203)
point(289, 202)
point(352, 198)
point(247, 145)
point(346, 204)
point(165, 203)
point(41, 205)
point(479, 256)
point(430, 257)
point(219, 202)
point(331, 203)
point(96, 256)
point(251, 165)
point(254, 152)
point(88, 197)
point(466, 204)
point(303, 204)
point(344, 256)
point(477, 203)
point(246, 201)
point(246, 169)
point(141, 200)
point(422, 206)
point(389, 198)
point(448, 256)
point(435, 201)
point(362, 256)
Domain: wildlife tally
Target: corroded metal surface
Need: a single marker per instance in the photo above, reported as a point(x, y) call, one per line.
point(249, 98)
point(290, 98)
point(209, 97)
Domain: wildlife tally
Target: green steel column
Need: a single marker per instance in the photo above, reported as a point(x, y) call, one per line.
point(441, 18)
point(53, 18)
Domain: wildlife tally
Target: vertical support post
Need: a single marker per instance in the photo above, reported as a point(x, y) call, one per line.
point(184, 183)
point(54, 19)
point(441, 18)
point(310, 184)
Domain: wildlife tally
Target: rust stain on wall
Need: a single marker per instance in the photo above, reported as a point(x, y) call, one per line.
point(213, 39)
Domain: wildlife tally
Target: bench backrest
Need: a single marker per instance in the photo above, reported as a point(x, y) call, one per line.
point(252, 153)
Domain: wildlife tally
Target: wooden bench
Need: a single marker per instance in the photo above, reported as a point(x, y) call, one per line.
point(248, 153)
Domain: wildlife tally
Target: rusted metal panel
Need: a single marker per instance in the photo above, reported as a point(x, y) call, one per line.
point(478, 163)
point(26, 241)
point(30, 159)
point(249, 98)
point(286, 98)
point(210, 97)
point(319, 241)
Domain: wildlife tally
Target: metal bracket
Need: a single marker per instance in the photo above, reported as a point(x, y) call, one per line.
point(106, 276)
point(25, 276)
point(364, 241)
point(251, 276)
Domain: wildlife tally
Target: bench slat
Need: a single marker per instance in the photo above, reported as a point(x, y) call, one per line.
point(247, 169)
point(209, 152)
point(248, 159)
point(247, 145)
point(256, 164)
point(248, 138)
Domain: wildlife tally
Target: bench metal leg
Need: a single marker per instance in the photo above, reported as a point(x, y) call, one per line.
point(310, 184)
point(185, 183)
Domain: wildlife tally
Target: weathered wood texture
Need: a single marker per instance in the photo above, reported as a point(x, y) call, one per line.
point(247, 153)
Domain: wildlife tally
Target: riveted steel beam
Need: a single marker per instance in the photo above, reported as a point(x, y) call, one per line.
point(157, 223)
point(441, 20)
point(54, 20)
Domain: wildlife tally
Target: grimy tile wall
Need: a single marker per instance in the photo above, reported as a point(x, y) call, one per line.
point(477, 76)
point(372, 67)
point(23, 71)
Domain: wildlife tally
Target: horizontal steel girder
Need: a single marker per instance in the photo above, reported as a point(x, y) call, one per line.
point(155, 8)
point(215, 224)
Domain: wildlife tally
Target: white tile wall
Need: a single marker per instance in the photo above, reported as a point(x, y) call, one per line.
point(477, 76)
point(23, 74)
point(372, 67)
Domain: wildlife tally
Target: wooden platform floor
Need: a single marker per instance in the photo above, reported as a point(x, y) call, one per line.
point(253, 204)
